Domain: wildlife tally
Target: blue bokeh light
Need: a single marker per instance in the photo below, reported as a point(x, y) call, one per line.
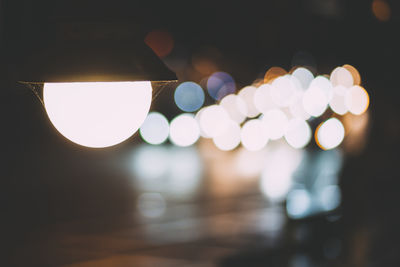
point(220, 84)
point(189, 96)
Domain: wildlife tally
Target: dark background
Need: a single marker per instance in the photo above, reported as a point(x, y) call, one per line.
point(46, 180)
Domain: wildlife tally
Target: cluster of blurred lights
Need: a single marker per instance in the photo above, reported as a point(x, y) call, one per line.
point(280, 107)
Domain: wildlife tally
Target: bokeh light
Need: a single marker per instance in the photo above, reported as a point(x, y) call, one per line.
point(189, 96)
point(205, 64)
point(274, 73)
point(155, 129)
point(338, 101)
point(297, 108)
point(285, 105)
point(341, 76)
point(160, 41)
point(197, 118)
point(220, 84)
point(235, 106)
point(214, 120)
point(298, 133)
point(247, 95)
point(304, 76)
point(330, 197)
point(276, 123)
point(381, 10)
point(298, 203)
point(283, 91)
point(254, 135)
point(323, 84)
point(230, 138)
point(184, 130)
point(315, 101)
point(263, 100)
point(329, 134)
point(357, 100)
point(354, 72)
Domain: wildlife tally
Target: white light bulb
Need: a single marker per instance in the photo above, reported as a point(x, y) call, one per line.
point(98, 114)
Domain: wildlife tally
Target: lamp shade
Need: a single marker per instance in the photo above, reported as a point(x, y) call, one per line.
point(93, 61)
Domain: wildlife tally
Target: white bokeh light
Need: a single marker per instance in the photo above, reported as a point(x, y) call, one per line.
point(99, 114)
point(155, 129)
point(275, 122)
point(197, 118)
point(315, 101)
point(214, 120)
point(297, 109)
point(324, 84)
point(338, 101)
point(247, 94)
point(229, 139)
point(357, 100)
point(263, 100)
point(341, 76)
point(184, 130)
point(235, 106)
point(304, 76)
point(254, 135)
point(298, 133)
point(283, 91)
point(330, 134)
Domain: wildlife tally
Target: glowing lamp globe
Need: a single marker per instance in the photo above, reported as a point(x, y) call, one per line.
point(97, 85)
point(98, 114)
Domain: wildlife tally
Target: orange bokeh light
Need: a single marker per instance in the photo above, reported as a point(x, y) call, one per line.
point(354, 72)
point(274, 73)
point(381, 10)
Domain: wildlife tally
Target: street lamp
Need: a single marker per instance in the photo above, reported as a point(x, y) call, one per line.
point(96, 81)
